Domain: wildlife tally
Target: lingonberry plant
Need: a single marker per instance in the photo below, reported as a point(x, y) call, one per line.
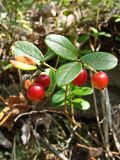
point(36, 93)
point(81, 78)
point(36, 88)
point(43, 80)
point(100, 80)
point(73, 71)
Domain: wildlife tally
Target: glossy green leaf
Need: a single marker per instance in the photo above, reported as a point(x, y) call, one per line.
point(52, 81)
point(58, 97)
point(60, 105)
point(81, 104)
point(67, 72)
point(61, 46)
point(84, 51)
point(24, 48)
point(49, 55)
point(82, 91)
point(100, 60)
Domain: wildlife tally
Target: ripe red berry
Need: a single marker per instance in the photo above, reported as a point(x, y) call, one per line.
point(35, 93)
point(100, 80)
point(43, 80)
point(81, 78)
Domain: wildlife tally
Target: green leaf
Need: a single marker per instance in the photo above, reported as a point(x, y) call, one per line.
point(82, 91)
point(82, 38)
point(85, 51)
point(100, 60)
point(117, 37)
point(8, 66)
point(4, 65)
point(61, 104)
point(117, 20)
point(61, 46)
point(104, 34)
point(27, 2)
point(94, 30)
point(49, 55)
point(95, 2)
point(58, 97)
point(81, 104)
point(52, 81)
point(67, 72)
point(67, 12)
point(24, 48)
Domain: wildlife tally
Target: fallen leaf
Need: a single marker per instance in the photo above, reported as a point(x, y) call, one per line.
point(15, 106)
point(25, 133)
point(4, 115)
point(4, 142)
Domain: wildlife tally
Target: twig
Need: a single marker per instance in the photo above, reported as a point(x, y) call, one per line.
point(47, 65)
point(1, 98)
point(20, 77)
point(71, 135)
point(89, 148)
point(81, 138)
point(97, 112)
point(42, 111)
point(13, 81)
point(107, 123)
point(93, 152)
point(65, 106)
point(14, 149)
point(72, 107)
point(110, 120)
point(57, 61)
point(66, 111)
point(93, 138)
point(45, 142)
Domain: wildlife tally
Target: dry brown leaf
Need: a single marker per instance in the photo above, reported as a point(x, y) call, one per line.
point(27, 60)
point(4, 115)
point(28, 83)
point(15, 106)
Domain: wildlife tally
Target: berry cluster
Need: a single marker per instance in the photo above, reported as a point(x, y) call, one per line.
point(36, 90)
point(99, 80)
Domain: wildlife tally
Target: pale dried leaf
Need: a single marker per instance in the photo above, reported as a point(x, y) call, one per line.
point(4, 142)
point(25, 133)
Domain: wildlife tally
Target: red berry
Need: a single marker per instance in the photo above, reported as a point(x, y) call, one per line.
point(100, 80)
point(35, 93)
point(43, 80)
point(81, 78)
